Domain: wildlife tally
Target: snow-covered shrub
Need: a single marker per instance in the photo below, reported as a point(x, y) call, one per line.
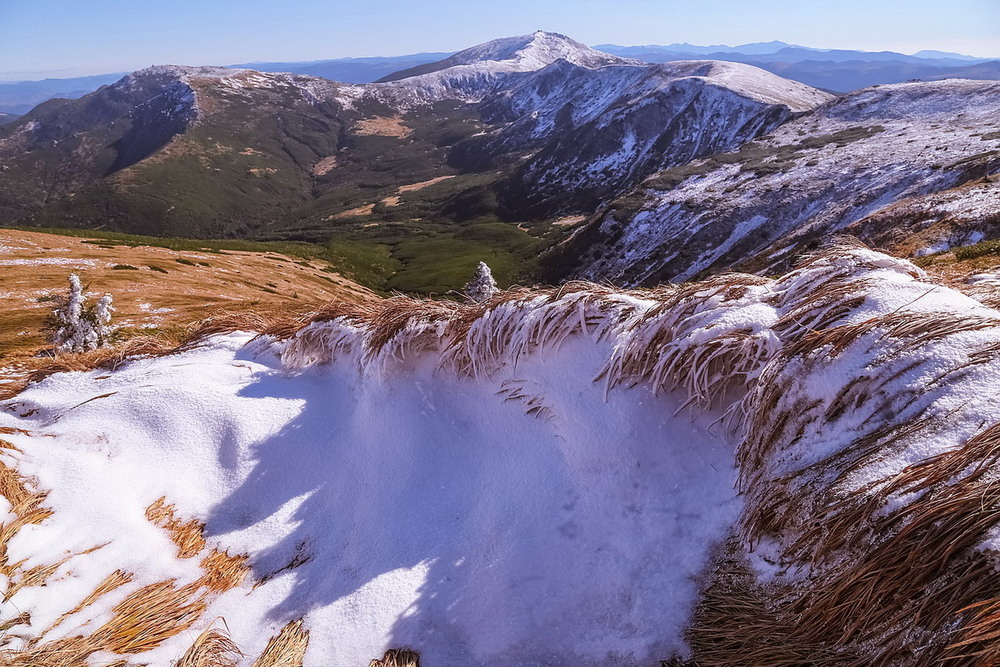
point(76, 326)
point(482, 286)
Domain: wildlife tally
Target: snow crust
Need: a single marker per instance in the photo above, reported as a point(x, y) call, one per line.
point(433, 512)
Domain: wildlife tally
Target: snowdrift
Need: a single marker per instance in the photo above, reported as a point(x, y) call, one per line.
point(741, 470)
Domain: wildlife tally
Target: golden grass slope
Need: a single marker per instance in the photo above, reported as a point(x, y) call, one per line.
point(183, 288)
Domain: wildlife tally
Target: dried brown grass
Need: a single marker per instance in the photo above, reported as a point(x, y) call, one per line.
point(178, 339)
point(222, 571)
point(285, 649)
point(905, 586)
point(70, 652)
point(26, 506)
point(112, 582)
point(150, 616)
point(13, 486)
point(397, 657)
point(902, 587)
point(19, 577)
point(186, 535)
point(38, 368)
point(142, 621)
point(212, 648)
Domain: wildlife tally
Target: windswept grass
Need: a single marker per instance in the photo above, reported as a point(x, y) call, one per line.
point(212, 648)
point(285, 649)
point(397, 657)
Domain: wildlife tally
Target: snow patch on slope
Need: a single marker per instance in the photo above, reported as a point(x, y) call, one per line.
point(432, 511)
point(464, 486)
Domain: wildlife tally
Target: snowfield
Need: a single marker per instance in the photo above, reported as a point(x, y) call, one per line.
point(433, 512)
point(551, 478)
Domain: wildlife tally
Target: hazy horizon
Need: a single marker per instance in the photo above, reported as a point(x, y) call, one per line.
point(66, 39)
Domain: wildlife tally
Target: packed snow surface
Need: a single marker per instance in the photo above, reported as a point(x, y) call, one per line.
point(431, 511)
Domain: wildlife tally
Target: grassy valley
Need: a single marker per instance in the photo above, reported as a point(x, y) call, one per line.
point(368, 189)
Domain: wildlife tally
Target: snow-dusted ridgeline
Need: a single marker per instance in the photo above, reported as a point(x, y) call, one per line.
point(851, 158)
point(601, 130)
point(577, 126)
point(551, 476)
point(475, 72)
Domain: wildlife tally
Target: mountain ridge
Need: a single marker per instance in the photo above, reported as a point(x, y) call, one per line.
point(21, 97)
point(498, 159)
point(758, 208)
point(519, 54)
point(171, 110)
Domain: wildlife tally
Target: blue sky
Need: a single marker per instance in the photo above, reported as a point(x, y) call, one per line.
point(64, 38)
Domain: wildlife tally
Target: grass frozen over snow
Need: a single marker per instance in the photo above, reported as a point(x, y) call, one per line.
point(554, 476)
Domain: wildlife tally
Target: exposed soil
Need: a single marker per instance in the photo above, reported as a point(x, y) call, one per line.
point(365, 209)
point(382, 126)
point(325, 166)
point(413, 187)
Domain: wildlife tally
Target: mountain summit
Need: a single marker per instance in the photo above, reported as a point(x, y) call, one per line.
point(519, 54)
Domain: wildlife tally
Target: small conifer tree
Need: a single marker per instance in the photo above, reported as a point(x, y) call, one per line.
point(76, 326)
point(482, 286)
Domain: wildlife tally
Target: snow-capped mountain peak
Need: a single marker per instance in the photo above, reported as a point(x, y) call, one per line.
point(535, 51)
point(525, 53)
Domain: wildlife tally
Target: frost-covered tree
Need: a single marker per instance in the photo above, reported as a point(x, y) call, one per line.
point(482, 286)
point(77, 326)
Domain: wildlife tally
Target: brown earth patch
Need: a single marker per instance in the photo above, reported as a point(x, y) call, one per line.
point(382, 126)
point(412, 187)
point(324, 166)
point(569, 220)
point(354, 212)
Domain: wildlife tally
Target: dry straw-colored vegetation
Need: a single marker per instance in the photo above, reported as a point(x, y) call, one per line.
point(285, 649)
point(880, 549)
point(397, 657)
point(145, 617)
point(168, 288)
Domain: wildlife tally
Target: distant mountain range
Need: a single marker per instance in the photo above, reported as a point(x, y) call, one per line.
point(783, 52)
point(536, 153)
point(837, 70)
point(348, 70)
point(23, 96)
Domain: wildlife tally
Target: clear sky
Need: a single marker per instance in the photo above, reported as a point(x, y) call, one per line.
point(66, 38)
